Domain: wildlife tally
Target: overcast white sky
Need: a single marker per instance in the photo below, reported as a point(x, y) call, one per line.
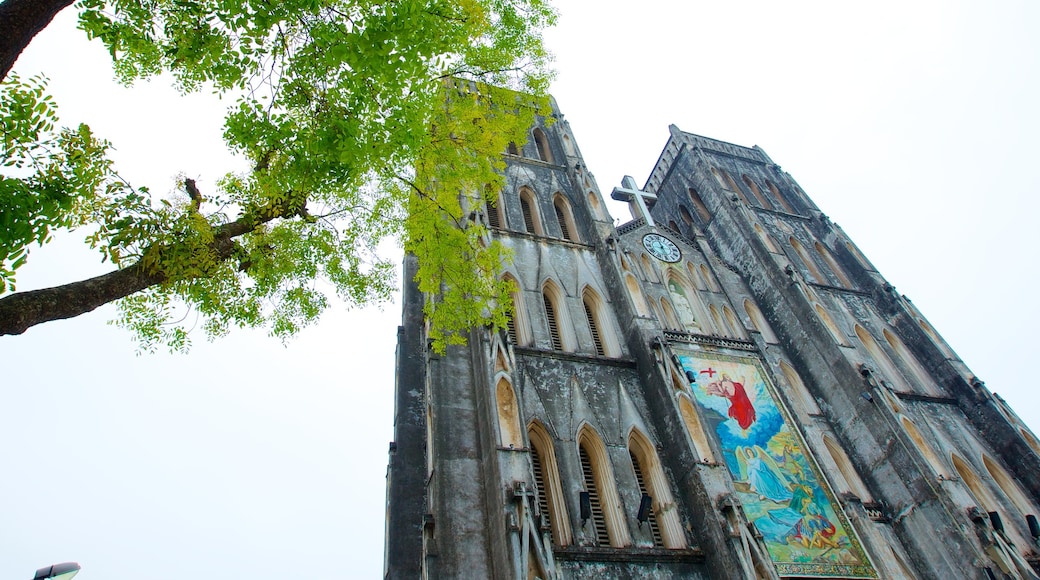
point(911, 124)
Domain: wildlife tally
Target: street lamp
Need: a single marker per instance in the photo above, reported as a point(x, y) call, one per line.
point(57, 572)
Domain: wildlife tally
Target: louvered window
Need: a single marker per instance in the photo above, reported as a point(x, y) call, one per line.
point(554, 327)
point(652, 518)
point(494, 219)
point(599, 523)
point(563, 222)
point(511, 328)
point(525, 207)
point(539, 481)
point(596, 338)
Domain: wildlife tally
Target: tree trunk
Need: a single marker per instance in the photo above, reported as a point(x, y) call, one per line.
point(20, 311)
point(20, 21)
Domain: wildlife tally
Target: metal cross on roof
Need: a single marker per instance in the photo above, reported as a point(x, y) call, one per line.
point(636, 199)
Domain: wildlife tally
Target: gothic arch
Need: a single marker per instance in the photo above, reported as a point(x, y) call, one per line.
point(802, 396)
point(649, 473)
point(829, 323)
point(547, 479)
point(767, 240)
point(637, 295)
point(879, 356)
point(851, 478)
point(688, 308)
point(833, 264)
point(858, 255)
point(929, 454)
point(1030, 440)
point(982, 496)
point(542, 144)
point(807, 260)
point(512, 149)
point(529, 209)
point(519, 324)
point(600, 325)
point(670, 320)
point(923, 379)
point(695, 277)
point(565, 218)
point(736, 327)
point(494, 212)
point(561, 332)
point(762, 200)
point(687, 217)
point(1007, 484)
point(648, 268)
point(715, 319)
point(759, 322)
point(694, 427)
point(698, 204)
point(608, 519)
point(729, 183)
point(508, 415)
point(780, 197)
point(594, 205)
point(709, 280)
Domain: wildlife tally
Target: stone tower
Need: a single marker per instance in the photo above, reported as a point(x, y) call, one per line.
point(723, 387)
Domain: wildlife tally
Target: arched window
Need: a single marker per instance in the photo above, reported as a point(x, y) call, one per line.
point(693, 426)
point(709, 280)
point(695, 276)
point(829, 323)
point(665, 526)
point(508, 415)
point(779, 197)
point(859, 256)
point(687, 217)
point(848, 473)
point(886, 365)
point(542, 143)
point(648, 269)
point(565, 218)
point(1007, 484)
point(1030, 440)
point(924, 381)
point(673, 226)
point(637, 295)
point(594, 205)
point(716, 320)
point(698, 204)
point(603, 337)
point(736, 328)
point(759, 322)
point(767, 240)
point(801, 397)
point(529, 208)
point(731, 185)
point(926, 450)
point(513, 149)
point(762, 200)
point(494, 214)
point(670, 320)
point(518, 325)
point(608, 522)
point(547, 481)
point(807, 260)
point(568, 146)
point(833, 264)
point(987, 500)
point(560, 336)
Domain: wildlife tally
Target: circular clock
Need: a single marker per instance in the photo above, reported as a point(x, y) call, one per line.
point(661, 248)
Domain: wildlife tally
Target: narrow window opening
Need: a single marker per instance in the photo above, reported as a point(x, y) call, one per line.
point(494, 218)
point(655, 529)
point(554, 328)
point(525, 207)
point(599, 522)
point(596, 338)
point(539, 482)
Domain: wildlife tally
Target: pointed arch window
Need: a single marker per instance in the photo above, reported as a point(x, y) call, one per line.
point(919, 442)
point(802, 397)
point(513, 149)
point(670, 320)
point(687, 217)
point(608, 522)
point(560, 336)
point(603, 338)
point(508, 415)
point(716, 320)
point(886, 365)
point(694, 427)
point(665, 527)
point(807, 261)
point(736, 328)
point(547, 482)
point(648, 269)
point(924, 380)
point(494, 215)
point(851, 478)
point(833, 265)
point(518, 325)
point(767, 240)
point(637, 295)
point(529, 209)
point(565, 218)
point(542, 143)
point(695, 277)
point(762, 200)
point(780, 197)
point(709, 280)
point(759, 322)
point(698, 204)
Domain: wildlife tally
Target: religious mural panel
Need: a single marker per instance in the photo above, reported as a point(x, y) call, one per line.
point(778, 482)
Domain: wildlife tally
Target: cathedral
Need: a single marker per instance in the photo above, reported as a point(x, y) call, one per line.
point(722, 387)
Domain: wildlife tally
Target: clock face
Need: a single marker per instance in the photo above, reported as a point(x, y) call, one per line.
point(661, 248)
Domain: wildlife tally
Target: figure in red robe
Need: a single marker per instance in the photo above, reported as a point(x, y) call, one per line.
point(740, 409)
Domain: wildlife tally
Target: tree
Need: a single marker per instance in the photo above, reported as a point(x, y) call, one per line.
point(359, 119)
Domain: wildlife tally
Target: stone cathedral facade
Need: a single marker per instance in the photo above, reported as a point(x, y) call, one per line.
point(723, 387)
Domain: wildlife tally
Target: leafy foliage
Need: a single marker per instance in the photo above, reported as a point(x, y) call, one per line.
point(360, 120)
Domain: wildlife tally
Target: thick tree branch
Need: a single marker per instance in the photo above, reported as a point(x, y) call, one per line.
point(20, 21)
point(22, 310)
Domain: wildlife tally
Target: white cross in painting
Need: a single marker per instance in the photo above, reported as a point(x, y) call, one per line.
point(636, 199)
